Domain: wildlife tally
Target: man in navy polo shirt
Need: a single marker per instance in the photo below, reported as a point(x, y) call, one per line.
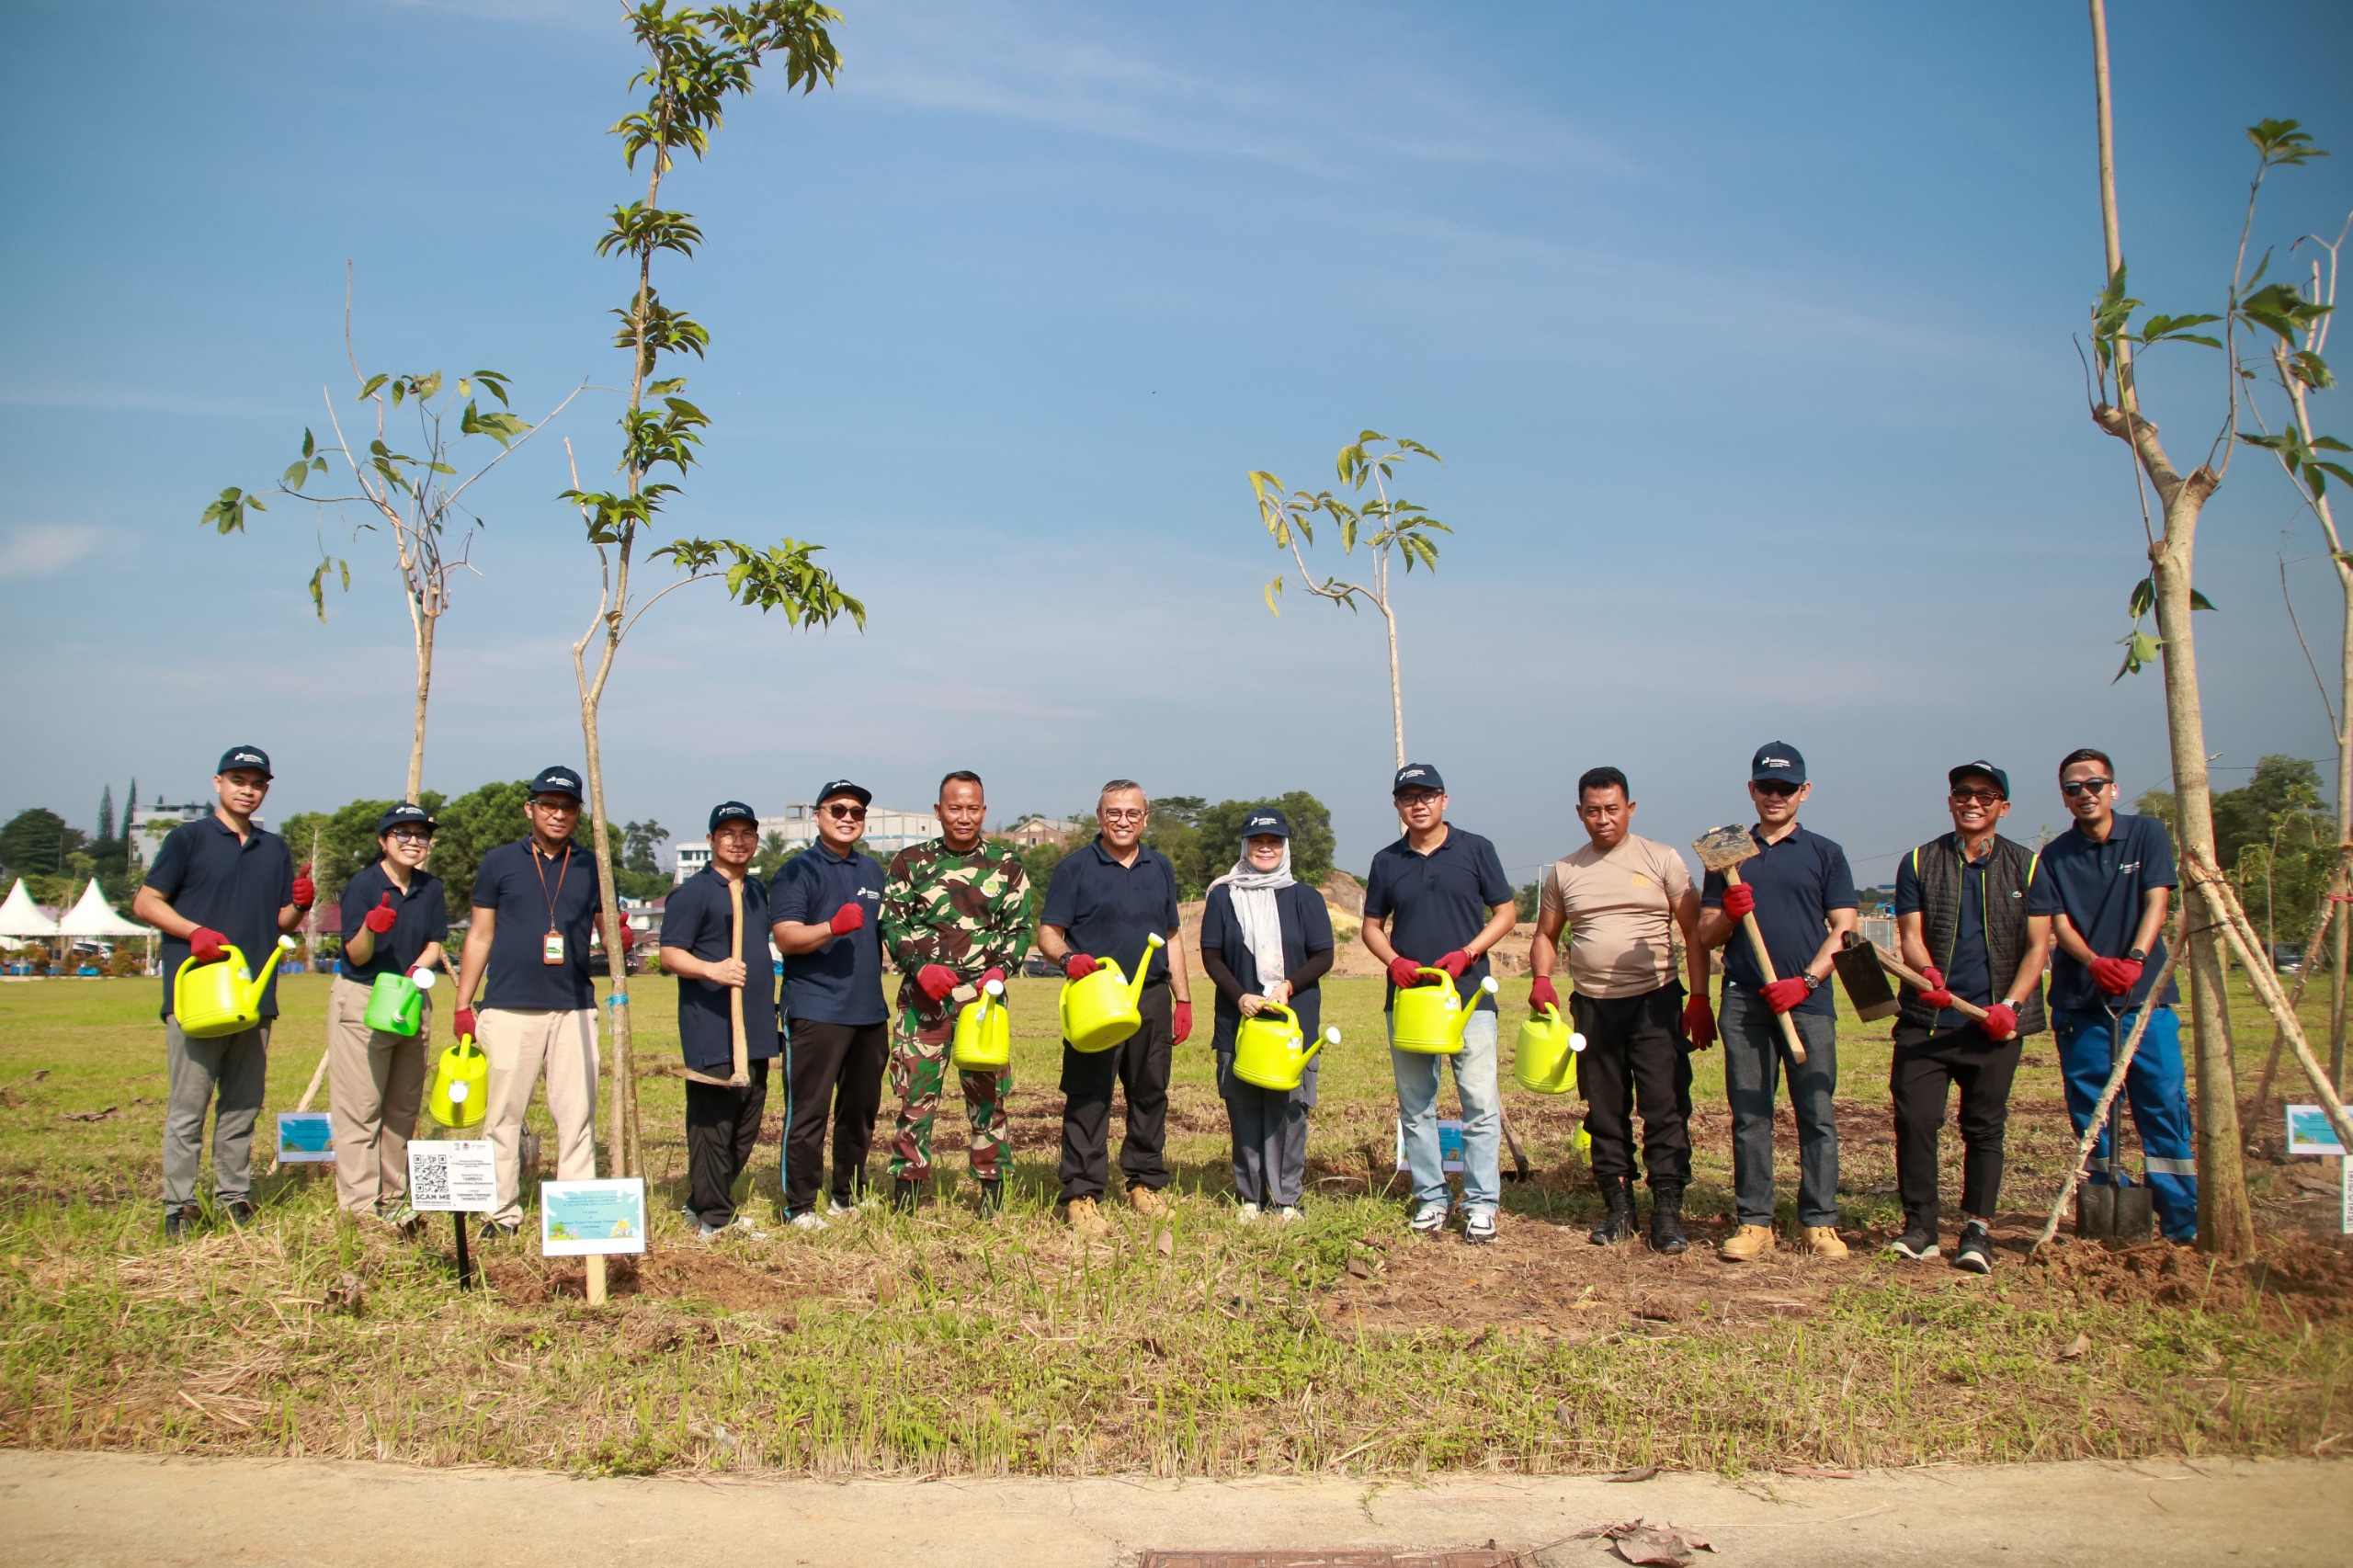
point(1803, 897)
point(1438, 898)
point(825, 905)
point(535, 903)
point(1102, 901)
point(219, 881)
point(2106, 885)
point(721, 955)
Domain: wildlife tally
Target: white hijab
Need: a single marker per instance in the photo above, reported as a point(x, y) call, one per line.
point(1254, 908)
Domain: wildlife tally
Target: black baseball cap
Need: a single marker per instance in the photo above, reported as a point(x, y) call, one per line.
point(731, 810)
point(1985, 770)
point(558, 781)
point(1777, 762)
point(1417, 776)
point(407, 812)
point(864, 795)
point(1266, 820)
point(252, 757)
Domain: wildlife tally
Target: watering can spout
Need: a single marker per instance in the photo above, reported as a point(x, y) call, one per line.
point(1461, 1019)
point(1143, 967)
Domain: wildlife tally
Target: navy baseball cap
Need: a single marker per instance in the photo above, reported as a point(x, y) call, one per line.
point(1417, 776)
point(252, 757)
point(558, 781)
point(1777, 762)
point(1266, 820)
point(407, 812)
point(862, 795)
point(733, 810)
point(1984, 769)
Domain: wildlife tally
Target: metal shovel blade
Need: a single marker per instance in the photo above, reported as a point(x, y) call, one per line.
point(2136, 1219)
point(2095, 1212)
point(1866, 983)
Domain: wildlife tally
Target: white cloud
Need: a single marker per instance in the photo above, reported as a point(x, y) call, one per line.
point(38, 550)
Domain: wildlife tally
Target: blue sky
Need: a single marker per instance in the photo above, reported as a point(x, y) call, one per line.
point(1747, 336)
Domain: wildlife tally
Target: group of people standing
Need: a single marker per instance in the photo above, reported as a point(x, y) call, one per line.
point(1979, 917)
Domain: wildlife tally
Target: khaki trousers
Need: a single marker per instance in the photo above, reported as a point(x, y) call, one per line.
point(375, 1083)
point(522, 1044)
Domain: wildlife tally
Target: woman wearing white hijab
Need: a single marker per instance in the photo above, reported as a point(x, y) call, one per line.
point(1265, 939)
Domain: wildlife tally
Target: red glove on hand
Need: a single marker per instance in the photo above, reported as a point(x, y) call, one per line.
point(1454, 963)
point(847, 918)
point(1699, 1023)
point(1403, 970)
point(306, 892)
point(2116, 976)
point(1542, 994)
point(206, 944)
point(379, 919)
point(1078, 966)
point(936, 980)
point(1739, 900)
point(1934, 993)
point(1784, 994)
point(1184, 1021)
point(987, 975)
point(2001, 1022)
point(462, 1022)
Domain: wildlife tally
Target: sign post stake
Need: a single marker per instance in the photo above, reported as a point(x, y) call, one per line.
point(465, 1263)
point(597, 1280)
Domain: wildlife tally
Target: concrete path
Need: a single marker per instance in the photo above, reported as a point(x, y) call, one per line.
point(107, 1508)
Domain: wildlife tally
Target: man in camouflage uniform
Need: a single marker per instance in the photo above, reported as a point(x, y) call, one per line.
point(953, 918)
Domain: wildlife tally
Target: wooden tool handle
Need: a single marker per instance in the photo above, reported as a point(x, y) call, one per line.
point(735, 993)
point(1765, 964)
point(1894, 966)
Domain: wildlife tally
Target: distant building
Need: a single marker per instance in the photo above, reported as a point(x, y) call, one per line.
point(148, 827)
point(888, 831)
point(1033, 830)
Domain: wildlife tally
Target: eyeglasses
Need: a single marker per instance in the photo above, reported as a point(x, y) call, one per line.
point(561, 804)
point(2086, 786)
point(410, 835)
point(1124, 813)
point(1407, 800)
point(1980, 797)
point(846, 813)
point(1778, 790)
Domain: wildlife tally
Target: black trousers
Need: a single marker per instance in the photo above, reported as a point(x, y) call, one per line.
point(1138, 1065)
point(722, 1126)
point(1926, 1063)
point(1634, 1054)
point(833, 1070)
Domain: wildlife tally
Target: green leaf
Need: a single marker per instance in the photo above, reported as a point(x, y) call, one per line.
point(369, 391)
point(2143, 599)
point(308, 446)
point(1274, 592)
point(2139, 649)
point(2200, 601)
point(227, 515)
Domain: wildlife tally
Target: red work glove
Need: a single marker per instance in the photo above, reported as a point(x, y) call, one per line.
point(1403, 970)
point(1784, 994)
point(1078, 966)
point(1542, 994)
point(1699, 1023)
point(1739, 900)
point(461, 1022)
point(2001, 1022)
point(1454, 963)
point(306, 892)
point(206, 944)
point(935, 980)
point(1934, 993)
point(379, 919)
point(2116, 976)
point(987, 975)
point(847, 918)
point(1184, 1021)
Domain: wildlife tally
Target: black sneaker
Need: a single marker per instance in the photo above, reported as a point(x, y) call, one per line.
point(1918, 1242)
point(176, 1224)
point(240, 1212)
point(903, 1196)
point(1975, 1253)
point(492, 1231)
point(993, 1195)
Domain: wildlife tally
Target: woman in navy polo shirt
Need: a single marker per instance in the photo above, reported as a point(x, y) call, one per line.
point(1265, 939)
point(394, 921)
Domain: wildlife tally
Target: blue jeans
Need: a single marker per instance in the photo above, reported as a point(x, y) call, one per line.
point(1753, 1051)
point(2158, 1094)
point(1483, 1115)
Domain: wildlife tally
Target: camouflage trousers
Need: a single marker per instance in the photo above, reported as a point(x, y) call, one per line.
point(918, 1065)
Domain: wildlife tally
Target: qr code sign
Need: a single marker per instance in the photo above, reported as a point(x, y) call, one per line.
point(453, 1174)
point(428, 1179)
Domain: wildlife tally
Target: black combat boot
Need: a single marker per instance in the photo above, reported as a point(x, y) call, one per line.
point(1666, 1217)
point(993, 1195)
point(1618, 1223)
point(903, 1196)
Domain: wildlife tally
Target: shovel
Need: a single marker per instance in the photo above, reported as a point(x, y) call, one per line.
point(2115, 1213)
point(1865, 981)
point(1722, 849)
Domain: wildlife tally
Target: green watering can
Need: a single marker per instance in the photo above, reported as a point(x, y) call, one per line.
point(1101, 1010)
point(1430, 1018)
point(397, 1002)
point(1546, 1057)
point(1267, 1049)
point(984, 1032)
point(215, 999)
point(458, 1094)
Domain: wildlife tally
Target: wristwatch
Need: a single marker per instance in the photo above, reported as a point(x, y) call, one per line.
point(1813, 980)
point(2138, 955)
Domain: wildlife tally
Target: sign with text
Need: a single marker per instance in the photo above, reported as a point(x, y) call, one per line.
point(578, 1218)
point(305, 1137)
point(452, 1176)
point(2309, 1131)
point(1449, 1144)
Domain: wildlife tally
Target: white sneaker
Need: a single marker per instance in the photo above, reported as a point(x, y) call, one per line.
point(1479, 1226)
point(1287, 1213)
point(839, 1209)
point(1430, 1217)
point(807, 1220)
point(1249, 1215)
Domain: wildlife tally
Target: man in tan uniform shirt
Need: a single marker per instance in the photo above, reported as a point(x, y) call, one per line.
point(1620, 899)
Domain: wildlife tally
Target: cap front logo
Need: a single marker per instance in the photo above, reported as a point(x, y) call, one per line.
point(1773, 762)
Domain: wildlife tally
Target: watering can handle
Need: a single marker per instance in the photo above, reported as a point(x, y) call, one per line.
point(1289, 1016)
point(1431, 969)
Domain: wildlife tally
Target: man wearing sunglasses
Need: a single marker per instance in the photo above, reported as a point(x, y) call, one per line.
point(1961, 920)
point(2105, 886)
point(826, 903)
point(1799, 888)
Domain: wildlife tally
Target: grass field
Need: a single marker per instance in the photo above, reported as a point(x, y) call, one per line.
point(943, 1343)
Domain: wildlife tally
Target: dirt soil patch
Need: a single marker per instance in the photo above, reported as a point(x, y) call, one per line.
point(735, 1284)
point(2294, 1279)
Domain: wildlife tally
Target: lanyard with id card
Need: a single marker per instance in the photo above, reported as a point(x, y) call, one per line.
point(551, 946)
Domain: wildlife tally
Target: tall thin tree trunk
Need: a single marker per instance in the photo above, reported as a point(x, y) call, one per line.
point(621, 1138)
point(1396, 687)
point(424, 625)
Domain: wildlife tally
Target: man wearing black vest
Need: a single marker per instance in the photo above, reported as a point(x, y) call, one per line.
point(1961, 920)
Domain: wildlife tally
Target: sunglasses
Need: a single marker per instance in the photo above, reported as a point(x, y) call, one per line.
point(557, 803)
point(410, 835)
point(1981, 797)
point(846, 813)
point(2086, 786)
point(1778, 790)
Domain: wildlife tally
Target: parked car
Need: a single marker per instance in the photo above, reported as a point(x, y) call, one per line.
point(1037, 966)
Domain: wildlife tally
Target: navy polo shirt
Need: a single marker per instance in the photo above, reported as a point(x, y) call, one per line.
point(1438, 901)
point(420, 916)
point(1107, 909)
point(528, 894)
point(700, 917)
point(1798, 882)
point(238, 889)
point(2099, 887)
point(841, 982)
point(1306, 926)
point(1968, 970)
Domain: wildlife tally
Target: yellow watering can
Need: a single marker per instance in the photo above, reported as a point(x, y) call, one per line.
point(1267, 1049)
point(397, 1002)
point(984, 1032)
point(1431, 1018)
point(1101, 1010)
point(1545, 1059)
point(458, 1094)
point(215, 999)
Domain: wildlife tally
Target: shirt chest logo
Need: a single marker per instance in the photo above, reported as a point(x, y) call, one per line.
point(1636, 880)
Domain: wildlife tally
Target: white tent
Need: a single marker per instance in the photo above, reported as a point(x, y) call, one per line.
point(20, 917)
point(93, 917)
